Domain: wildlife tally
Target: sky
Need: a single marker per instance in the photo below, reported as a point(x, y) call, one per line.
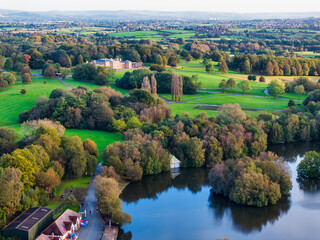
point(241, 6)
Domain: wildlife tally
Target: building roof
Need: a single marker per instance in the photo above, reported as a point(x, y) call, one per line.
point(28, 218)
point(174, 159)
point(60, 226)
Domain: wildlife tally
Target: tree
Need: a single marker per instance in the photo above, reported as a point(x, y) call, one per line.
point(8, 139)
point(11, 190)
point(9, 78)
point(246, 66)
point(90, 147)
point(25, 161)
point(154, 85)
point(305, 69)
point(157, 67)
point(134, 122)
point(309, 167)
point(223, 85)
point(26, 78)
point(231, 83)
point(245, 86)
point(223, 67)
point(140, 95)
point(119, 125)
point(108, 191)
point(50, 72)
point(65, 72)
point(3, 84)
point(299, 90)
point(74, 156)
point(47, 180)
point(173, 61)
point(262, 79)
point(291, 103)
point(8, 64)
point(210, 68)
point(146, 84)
point(276, 88)
point(286, 70)
point(269, 71)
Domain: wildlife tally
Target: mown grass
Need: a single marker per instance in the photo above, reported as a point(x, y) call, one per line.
point(187, 96)
point(211, 80)
point(101, 138)
point(244, 101)
point(190, 108)
point(12, 102)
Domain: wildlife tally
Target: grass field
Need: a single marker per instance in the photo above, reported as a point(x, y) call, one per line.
point(308, 54)
point(244, 101)
point(154, 35)
point(12, 103)
point(101, 138)
point(190, 108)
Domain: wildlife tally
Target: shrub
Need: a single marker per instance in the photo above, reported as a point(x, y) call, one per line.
point(291, 103)
point(262, 79)
point(26, 78)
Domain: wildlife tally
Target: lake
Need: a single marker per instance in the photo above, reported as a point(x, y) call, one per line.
point(181, 206)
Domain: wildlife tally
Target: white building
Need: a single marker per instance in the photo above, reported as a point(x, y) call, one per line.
point(174, 162)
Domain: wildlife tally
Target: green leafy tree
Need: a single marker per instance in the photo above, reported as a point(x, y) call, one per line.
point(276, 87)
point(299, 90)
point(74, 156)
point(223, 85)
point(245, 86)
point(231, 83)
point(8, 140)
point(8, 64)
point(210, 68)
point(309, 167)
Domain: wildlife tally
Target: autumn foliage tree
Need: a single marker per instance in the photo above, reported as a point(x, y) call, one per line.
point(109, 202)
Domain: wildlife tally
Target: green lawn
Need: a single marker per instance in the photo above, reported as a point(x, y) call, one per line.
point(244, 101)
point(187, 96)
point(12, 103)
point(101, 138)
point(189, 108)
point(211, 80)
point(155, 35)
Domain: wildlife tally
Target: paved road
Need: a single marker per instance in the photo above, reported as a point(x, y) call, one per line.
point(96, 224)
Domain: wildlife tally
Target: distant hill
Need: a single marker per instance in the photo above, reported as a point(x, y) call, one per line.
point(11, 15)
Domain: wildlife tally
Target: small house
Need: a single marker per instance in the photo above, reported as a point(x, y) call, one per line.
point(174, 162)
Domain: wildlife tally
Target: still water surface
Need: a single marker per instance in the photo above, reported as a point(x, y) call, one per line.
point(181, 206)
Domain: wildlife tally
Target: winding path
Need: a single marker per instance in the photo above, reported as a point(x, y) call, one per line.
point(60, 79)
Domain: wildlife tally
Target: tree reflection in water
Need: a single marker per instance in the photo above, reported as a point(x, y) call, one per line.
point(291, 151)
point(244, 219)
point(309, 186)
point(247, 219)
point(152, 186)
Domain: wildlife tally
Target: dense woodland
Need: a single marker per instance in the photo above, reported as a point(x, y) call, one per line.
point(31, 169)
